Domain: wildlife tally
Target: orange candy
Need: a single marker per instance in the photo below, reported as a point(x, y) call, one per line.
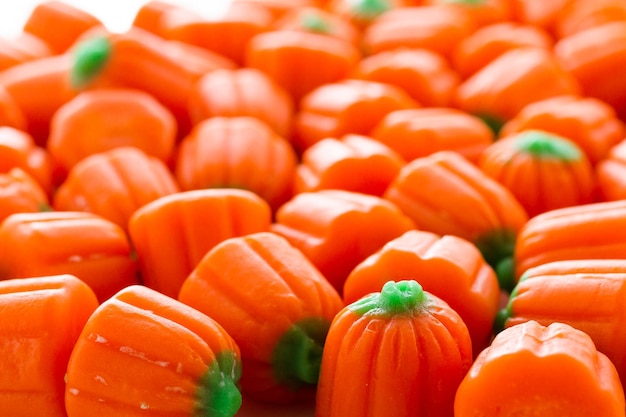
point(352, 163)
point(33, 357)
point(168, 242)
point(337, 229)
point(104, 119)
point(237, 152)
point(88, 246)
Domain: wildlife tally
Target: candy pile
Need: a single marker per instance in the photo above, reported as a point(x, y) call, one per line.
point(370, 208)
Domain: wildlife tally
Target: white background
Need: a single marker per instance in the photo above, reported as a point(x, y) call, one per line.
point(117, 15)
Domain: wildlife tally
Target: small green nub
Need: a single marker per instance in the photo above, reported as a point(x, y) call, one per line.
point(494, 123)
point(218, 394)
point(44, 207)
point(370, 9)
point(505, 313)
point(498, 248)
point(314, 22)
point(395, 298)
point(297, 357)
point(548, 146)
point(398, 297)
point(505, 271)
point(90, 57)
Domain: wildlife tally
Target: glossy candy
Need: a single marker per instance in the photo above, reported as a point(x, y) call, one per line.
point(337, 229)
point(168, 242)
point(552, 370)
point(584, 293)
point(86, 245)
point(449, 267)
point(444, 193)
point(276, 306)
point(143, 352)
point(544, 171)
point(400, 351)
point(34, 358)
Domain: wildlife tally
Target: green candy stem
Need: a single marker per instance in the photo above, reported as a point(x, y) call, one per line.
point(218, 394)
point(369, 9)
point(90, 57)
point(314, 22)
point(297, 357)
point(497, 247)
point(506, 313)
point(395, 298)
point(548, 146)
point(505, 272)
point(494, 123)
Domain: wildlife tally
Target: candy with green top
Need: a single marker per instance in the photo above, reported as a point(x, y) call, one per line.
point(401, 352)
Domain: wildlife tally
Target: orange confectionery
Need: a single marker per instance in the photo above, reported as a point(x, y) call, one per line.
point(11, 113)
point(22, 104)
point(490, 41)
point(611, 174)
point(18, 149)
point(446, 194)
point(347, 106)
point(301, 61)
point(149, 15)
point(538, 13)
point(587, 231)
point(516, 78)
point(142, 60)
point(20, 193)
point(59, 24)
point(424, 75)
point(277, 307)
point(352, 163)
point(438, 28)
point(531, 369)
point(448, 267)
point(361, 13)
point(114, 184)
point(142, 352)
point(416, 133)
point(278, 8)
point(103, 119)
point(200, 60)
point(338, 229)
point(242, 92)
point(23, 48)
point(400, 351)
point(594, 57)
point(169, 242)
point(586, 294)
point(82, 244)
point(483, 12)
point(542, 170)
point(589, 122)
point(319, 20)
point(237, 152)
point(580, 15)
point(227, 34)
point(32, 356)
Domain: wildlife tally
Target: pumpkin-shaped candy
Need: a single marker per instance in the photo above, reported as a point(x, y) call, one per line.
point(400, 351)
point(448, 266)
point(275, 304)
point(534, 164)
point(531, 369)
point(446, 194)
point(143, 352)
point(585, 293)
